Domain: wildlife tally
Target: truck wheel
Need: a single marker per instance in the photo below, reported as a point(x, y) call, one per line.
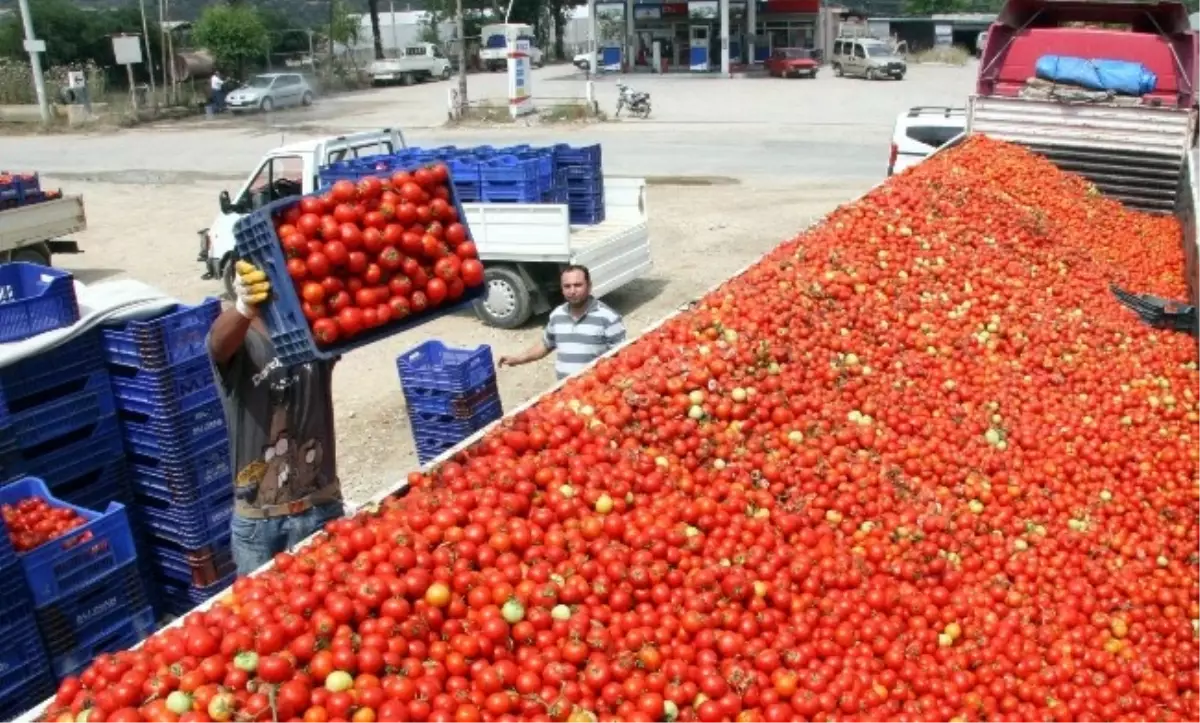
point(446, 73)
point(37, 254)
point(837, 69)
point(506, 303)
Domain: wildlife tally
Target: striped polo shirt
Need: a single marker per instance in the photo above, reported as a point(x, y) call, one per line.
point(581, 340)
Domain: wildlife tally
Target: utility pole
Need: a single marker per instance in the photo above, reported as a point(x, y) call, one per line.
point(149, 55)
point(35, 48)
point(462, 59)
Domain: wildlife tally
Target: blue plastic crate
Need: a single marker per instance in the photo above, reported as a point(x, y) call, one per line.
point(15, 604)
point(192, 525)
point(430, 449)
point(164, 392)
point(29, 461)
point(89, 401)
point(89, 480)
point(290, 333)
point(509, 170)
point(25, 677)
point(511, 193)
point(119, 636)
point(179, 599)
point(74, 619)
point(50, 374)
point(447, 426)
point(586, 216)
point(566, 155)
point(74, 560)
point(459, 405)
point(182, 479)
point(35, 299)
point(194, 567)
point(433, 365)
point(194, 427)
point(172, 338)
point(8, 556)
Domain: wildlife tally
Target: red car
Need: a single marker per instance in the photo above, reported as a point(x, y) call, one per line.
point(792, 63)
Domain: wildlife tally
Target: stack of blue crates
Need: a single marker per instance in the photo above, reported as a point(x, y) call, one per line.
point(582, 171)
point(25, 677)
point(57, 413)
point(177, 447)
point(450, 394)
point(511, 174)
point(20, 189)
point(82, 595)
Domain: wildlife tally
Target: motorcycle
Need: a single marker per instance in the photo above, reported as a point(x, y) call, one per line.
point(637, 102)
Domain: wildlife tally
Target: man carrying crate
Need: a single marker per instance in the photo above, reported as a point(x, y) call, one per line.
point(280, 423)
point(582, 329)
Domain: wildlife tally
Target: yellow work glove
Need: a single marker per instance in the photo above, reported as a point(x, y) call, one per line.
point(250, 287)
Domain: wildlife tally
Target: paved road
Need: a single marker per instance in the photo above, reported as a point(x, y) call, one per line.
point(761, 129)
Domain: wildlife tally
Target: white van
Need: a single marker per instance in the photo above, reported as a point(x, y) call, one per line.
point(417, 63)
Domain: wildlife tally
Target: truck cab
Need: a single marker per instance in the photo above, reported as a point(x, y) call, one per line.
point(493, 55)
point(289, 170)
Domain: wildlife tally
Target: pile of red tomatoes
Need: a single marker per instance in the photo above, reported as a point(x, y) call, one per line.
point(361, 256)
point(32, 522)
point(917, 464)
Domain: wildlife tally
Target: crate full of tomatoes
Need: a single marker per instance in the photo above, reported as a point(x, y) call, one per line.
point(361, 261)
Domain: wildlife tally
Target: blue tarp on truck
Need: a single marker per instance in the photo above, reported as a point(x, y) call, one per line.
point(1117, 76)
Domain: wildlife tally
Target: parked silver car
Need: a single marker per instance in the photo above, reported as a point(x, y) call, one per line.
point(270, 91)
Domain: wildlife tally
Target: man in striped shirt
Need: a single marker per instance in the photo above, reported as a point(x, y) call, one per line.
point(581, 330)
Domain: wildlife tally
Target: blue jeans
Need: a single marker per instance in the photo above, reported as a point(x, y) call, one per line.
point(255, 542)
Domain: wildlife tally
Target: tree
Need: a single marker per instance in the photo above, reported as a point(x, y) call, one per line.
point(373, 9)
point(75, 36)
point(233, 34)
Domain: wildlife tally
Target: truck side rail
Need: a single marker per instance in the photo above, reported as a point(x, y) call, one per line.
point(1188, 212)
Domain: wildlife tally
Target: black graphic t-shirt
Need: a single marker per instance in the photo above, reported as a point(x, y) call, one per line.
point(280, 427)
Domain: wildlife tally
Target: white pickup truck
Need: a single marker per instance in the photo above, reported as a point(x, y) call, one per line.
point(34, 232)
point(493, 56)
point(523, 245)
point(417, 63)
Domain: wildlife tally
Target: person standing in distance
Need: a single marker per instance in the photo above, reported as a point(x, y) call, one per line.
point(217, 84)
point(582, 329)
point(280, 422)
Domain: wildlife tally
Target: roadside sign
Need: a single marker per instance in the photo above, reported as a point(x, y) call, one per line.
point(520, 77)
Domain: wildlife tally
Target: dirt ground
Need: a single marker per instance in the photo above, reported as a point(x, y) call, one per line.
point(699, 236)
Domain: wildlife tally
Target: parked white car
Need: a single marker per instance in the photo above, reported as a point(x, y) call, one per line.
point(922, 130)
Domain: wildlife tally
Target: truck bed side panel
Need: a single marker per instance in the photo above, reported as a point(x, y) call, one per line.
point(1188, 212)
point(26, 225)
point(1131, 153)
point(520, 232)
point(618, 250)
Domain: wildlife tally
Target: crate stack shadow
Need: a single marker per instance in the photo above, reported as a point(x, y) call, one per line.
point(177, 448)
point(450, 394)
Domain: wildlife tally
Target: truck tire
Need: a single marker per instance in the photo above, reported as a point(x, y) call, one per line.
point(36, 254)
point(837, 70)
point(506, 303)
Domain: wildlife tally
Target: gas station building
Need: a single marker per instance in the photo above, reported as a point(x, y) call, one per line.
point(702, 35)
